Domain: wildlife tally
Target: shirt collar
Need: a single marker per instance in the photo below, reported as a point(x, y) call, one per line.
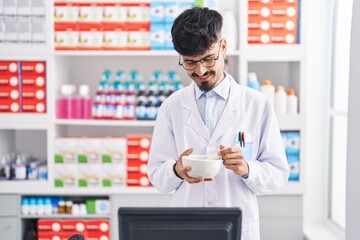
point(222, 89)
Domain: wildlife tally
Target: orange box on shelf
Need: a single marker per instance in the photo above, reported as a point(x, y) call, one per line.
point(73, 226)
point(66, 36)
point(258, 23)
point(137, 166)
point(97, 225)
point(90, 12)
point(114, 36)
point(138, 12)
point(90, 36)
point(138, 36)
point(49, 225)
point(259, 9)
point(290, 2)
point(137, 154)
point(50, 236)
point(9, 105)
point(115, 12)
point(9, 68)
point(284, 38)
point(66, 12)
point(137, 179)
point(31, 68)
point(256, 36)
point(285, 10)
point(139, 140)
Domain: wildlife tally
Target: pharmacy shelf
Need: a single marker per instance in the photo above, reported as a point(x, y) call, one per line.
point(23, 51)
point(26, 186)
point(32, 188)
point(293, 188)
point(125, 53)
point(291, 122)
point(120, 123)
point(30, 121)
point(274, 53)
point(66, 216)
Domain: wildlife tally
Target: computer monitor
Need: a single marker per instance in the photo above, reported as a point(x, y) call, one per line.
point(179, 223)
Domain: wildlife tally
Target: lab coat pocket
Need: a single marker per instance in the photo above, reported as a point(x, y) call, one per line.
point(246, 145)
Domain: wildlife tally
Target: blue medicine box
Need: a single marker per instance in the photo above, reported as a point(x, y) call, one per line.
point(157, 36)
point(157, 12)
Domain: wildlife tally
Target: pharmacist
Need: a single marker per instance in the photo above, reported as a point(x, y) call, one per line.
point(215, 115)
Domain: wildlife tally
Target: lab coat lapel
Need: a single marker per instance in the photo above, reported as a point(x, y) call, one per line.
point(192, 116)
point(227, 119)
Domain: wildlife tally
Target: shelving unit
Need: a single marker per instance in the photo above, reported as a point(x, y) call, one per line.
point(282, 63)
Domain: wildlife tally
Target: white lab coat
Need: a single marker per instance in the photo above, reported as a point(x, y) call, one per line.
point(179, 126)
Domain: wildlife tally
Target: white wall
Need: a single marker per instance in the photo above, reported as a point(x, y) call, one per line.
point(353, 151)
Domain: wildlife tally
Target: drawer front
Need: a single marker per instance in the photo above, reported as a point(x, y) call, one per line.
point(8, 228)
point(9, 205)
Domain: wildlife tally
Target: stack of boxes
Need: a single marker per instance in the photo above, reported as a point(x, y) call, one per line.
point(138, 156)
point(90, 162)
point(273, 21)
point(102, 26)
point(23, 86)
point(33, 86)
point(162, 16)
point(22, 22)
point(116, 25)
point(95, 229)
point(291, 142)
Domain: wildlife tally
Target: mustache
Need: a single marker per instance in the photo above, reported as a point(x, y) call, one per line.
point(204, 75)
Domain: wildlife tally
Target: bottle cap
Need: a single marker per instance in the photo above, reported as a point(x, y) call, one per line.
point(266, 82)
point(279, 88)
point(84, 90)
point(291, 92)
point(252, 76)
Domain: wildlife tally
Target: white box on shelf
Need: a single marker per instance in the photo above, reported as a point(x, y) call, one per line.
point(11, 31)
point(9, 7)
point(24, 28)
point(38, 31)
point(24, 8)
point(38, 8)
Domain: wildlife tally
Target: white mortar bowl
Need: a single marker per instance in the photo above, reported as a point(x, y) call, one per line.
point(202, 165)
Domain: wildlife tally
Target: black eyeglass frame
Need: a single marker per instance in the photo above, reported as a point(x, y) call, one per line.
point(201, 60)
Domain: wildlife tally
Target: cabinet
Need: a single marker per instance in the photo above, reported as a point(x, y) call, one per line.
point(35, 133)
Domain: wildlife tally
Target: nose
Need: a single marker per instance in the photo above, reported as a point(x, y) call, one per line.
point(200, 69)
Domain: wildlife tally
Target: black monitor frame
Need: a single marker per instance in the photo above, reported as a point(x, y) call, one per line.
point(186, 223)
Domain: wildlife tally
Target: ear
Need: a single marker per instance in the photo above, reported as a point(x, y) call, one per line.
point(224, 46)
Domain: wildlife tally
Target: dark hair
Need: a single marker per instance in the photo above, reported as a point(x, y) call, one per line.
point(195, 30)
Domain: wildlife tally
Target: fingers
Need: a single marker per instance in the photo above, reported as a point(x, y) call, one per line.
point(187, 152)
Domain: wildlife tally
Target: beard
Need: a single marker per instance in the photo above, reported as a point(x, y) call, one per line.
point(208, 85)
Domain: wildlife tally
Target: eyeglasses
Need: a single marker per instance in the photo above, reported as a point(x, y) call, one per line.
point(207, 62)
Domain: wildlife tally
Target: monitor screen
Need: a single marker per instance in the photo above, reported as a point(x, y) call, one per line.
point(179, 223)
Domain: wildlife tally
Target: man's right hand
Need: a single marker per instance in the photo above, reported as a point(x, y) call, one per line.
point(182, 171)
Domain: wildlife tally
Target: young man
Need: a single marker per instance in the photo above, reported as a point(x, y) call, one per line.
point(215, 115)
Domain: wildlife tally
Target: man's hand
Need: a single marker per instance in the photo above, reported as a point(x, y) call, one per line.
point(234, 160)
point(182, 171)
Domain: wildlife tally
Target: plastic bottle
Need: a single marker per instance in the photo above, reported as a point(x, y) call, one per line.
point(25, 206)
point(61, 102)
point(40, 207)
point(85, 101)
point(48, 206)
point(268, 90)
point(292, 102)
point(253, 81)
point(280, 100)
